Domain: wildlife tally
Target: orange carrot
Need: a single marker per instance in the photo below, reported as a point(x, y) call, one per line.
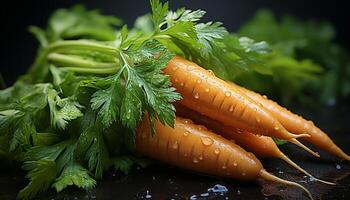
point(203, 92)
point(296, 124)
point(259, 145)
point(195, 148)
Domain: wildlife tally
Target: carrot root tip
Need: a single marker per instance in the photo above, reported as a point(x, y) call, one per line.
point(269, 177)
point(301, 145)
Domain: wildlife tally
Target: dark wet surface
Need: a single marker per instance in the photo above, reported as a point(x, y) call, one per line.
point(164, 182)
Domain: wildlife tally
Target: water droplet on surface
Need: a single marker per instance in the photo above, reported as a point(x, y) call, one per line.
point(175, 145)
point(186, 133)
point(217, 151)
point(210, 72)
point(338, 166)
point(228, 94)
point(238, 192)
point(218, 189)
point(205, 194)
point(207, 141)
point(148, 195)
point(199, 81)
point(207, 90)
point(195, 160)
point(196, 96)
point(231, 108)
point(153, 178)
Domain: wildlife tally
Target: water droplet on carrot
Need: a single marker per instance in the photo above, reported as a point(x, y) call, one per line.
point(182, 84)
point(186, 133)
point(175, 68)
point(175, 145)
point(224, 167)
point(195, 160)
point(188, 121)
point(240, 131)
point(243, 174)
point(235, 163)
point(217, 151)
point(231, 108)
point(199, 81)
point(277, 128)
point(210, 72)
point(265, 97)
point(228, 94)
point(207, 141)
point(176, 80)
point(207, 90)
point(257, 119)
point(200, 157)
point(196, 96)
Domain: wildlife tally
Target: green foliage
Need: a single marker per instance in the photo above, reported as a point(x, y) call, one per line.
point(312, 62)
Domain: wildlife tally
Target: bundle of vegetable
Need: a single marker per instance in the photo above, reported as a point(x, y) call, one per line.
point(82, 106)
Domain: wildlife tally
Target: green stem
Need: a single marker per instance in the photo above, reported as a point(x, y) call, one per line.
point(82, 44)
point(78, 62)
point(107, 70)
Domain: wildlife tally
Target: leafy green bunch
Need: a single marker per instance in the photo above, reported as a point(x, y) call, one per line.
point(306, 58)
point(75, 113)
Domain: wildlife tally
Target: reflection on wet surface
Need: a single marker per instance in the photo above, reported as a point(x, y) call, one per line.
point(165, 182)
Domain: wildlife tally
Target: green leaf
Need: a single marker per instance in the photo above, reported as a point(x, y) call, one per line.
point(159, 12)
point(74, 174)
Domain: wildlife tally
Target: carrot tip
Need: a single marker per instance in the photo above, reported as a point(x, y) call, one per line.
point(296, 166)
point(302, 135)
point(269, 177)
point(299, 144)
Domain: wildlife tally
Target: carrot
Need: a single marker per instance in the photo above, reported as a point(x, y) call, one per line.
point(296, 124)
point(193, 147)
point(261, 146)
point(203, 92)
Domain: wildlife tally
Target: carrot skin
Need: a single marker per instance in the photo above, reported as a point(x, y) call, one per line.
point(205, 93)
point(193, 147)
point(297, 125)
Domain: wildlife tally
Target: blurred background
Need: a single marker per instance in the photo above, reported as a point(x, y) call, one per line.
point(18, 46)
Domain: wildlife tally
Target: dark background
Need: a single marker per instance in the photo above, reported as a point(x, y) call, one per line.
point(18, 47)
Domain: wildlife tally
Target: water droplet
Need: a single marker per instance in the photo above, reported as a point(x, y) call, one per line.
point(217, 151)
point(280, 172)
point(196, 96)
point(201, 127)
point(200, 157)
point(199, 81)
point(175, 68)
point(265, 97)
point(228, 94)
point(207, 141)
point(205, 194)
point(186, 133)
point(240, 131)
point(218, 189)
point(210, 72)
point(153, 178)
point(195, 160)
point(190, 68)
point(182, 84)
point(231, 108)
point(338, 166)
point(224, 167)
point(238, 192)
point(243, 174)
point(176, 80)
point(148, 195)
point(235, 163)
point(257, 119)
point(277, 128)
point(207, 90)
point(175, 145)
